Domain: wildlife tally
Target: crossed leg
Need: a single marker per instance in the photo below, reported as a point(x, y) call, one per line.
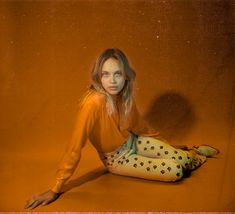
point(155, 148)
point(155, 160)
point(148, 168)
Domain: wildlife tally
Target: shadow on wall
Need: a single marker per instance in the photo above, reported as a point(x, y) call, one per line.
point(172, 115)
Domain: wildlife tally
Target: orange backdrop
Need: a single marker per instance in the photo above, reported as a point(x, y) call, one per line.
point(182, 52)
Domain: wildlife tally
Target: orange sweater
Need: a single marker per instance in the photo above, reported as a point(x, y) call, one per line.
point(106, 133)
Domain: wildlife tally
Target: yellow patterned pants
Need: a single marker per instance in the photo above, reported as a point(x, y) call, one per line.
point(153, 159)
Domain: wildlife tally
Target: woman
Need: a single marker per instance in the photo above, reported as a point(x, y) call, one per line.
point(108, 116)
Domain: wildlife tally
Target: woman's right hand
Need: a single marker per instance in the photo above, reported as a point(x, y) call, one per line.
point(43, 199)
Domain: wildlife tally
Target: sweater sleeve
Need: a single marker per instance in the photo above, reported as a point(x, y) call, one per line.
point(139, 126)
point(85, 120)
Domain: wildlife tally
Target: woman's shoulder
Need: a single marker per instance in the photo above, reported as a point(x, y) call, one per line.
point(92, 97)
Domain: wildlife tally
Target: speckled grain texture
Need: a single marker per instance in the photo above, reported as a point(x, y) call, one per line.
point(183, 54)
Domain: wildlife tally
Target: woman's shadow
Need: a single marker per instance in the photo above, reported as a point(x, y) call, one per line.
point(89, 176)
point(172, 115)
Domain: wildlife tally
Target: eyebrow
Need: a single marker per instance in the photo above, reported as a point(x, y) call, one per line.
point(114, 71)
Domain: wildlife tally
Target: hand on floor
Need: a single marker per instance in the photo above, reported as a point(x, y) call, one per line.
point(43, 199)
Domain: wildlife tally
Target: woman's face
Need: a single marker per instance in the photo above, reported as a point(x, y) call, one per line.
point(112, 76)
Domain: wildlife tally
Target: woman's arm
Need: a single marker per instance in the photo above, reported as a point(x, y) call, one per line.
point(85, 120)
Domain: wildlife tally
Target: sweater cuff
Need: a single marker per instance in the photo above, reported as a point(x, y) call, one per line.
point(57, 188)
point(151, 134)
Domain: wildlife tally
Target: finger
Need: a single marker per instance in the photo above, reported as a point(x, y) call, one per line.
point(35, 204)
point(46, 202)
point(29, 203)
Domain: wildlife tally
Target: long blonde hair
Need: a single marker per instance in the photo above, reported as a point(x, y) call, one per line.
point(127, 92)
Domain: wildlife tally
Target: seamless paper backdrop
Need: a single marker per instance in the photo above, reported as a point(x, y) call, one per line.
point(183, 55)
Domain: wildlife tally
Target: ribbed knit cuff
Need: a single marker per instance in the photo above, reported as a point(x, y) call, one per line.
point(57, 188)
point(153, 134)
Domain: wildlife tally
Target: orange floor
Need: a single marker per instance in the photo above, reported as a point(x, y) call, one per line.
point(183, 55)
point(24, 173)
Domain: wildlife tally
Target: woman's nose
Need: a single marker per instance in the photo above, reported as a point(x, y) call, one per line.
point(113, 80)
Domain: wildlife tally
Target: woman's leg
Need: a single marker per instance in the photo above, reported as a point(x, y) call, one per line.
point(143, 167)
point(155, 148)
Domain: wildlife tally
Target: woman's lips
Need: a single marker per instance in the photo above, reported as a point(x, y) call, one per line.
point(113, 88)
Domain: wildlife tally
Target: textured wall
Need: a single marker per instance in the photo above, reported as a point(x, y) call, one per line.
point(182, 52)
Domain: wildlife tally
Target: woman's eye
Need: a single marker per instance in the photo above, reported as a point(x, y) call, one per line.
point(105, 74)
point(119, 74)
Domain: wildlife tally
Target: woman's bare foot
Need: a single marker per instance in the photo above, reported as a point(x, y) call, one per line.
point(206, 150)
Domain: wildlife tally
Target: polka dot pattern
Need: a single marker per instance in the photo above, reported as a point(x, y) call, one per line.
point(154, 158)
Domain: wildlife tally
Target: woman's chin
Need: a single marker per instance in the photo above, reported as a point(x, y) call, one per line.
point(113, 93)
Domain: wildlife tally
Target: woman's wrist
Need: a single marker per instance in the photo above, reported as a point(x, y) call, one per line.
point(51, 190)
point(57, 188)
